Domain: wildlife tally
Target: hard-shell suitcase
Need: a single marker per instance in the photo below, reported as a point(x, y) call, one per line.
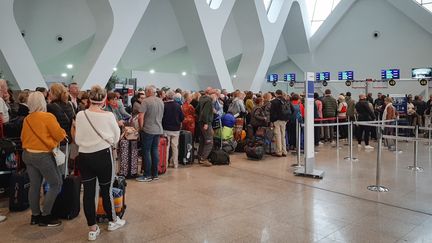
point(119, 199)
point(18, 193)
point(67, 203)
point(128, 158)
point(185, 148)
point(162, 166)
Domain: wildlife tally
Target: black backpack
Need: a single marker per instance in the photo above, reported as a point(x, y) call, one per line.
point(219, 157)
point(285, 110)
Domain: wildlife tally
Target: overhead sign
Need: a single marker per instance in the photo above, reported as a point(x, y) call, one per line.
point(423, 82)
point(348, 83)
point(291, 84)
point(392, 82)
point(324, 83)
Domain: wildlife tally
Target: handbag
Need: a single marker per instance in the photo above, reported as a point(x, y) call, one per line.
point(130, 133)
point(59, 156)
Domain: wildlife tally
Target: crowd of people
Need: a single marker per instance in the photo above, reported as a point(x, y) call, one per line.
point(94, 121)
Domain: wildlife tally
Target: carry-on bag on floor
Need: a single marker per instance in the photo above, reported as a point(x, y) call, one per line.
point(162, 167)
point(67, 203)
point(218, 156)
point(185, 148)
point(18, 191)
point(128, 158)
point(119, 199)
point(254, 152)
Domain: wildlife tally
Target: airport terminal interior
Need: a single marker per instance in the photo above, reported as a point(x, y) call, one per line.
point(341, 150)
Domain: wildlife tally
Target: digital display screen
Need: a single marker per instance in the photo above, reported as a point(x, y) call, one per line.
point(390, 74)
point(346, 75)
point(273, 78)
point(289, 77)
point(421, 72)
point(323, 76)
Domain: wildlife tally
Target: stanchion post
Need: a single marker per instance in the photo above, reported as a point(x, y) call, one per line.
point(298, 137)
point(350, 143)
point(397, 133)
point(337, 132)
point(415, 167)
point(377, 187)
point(430, 131)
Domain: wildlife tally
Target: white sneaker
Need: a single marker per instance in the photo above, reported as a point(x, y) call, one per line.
point(359, 145)
point(369, 147)
point(92, 235)
point(117, 224)
point(320, 143)
point(2, 218)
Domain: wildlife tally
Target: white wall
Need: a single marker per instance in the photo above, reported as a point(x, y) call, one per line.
point(281, 69)
point(172, 80)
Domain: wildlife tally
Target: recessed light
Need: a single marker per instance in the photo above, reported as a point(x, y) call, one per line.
point(184, 73)
point(69, 66)
point(234, 76)
point(115, 69)
point(152, 71)
point(64, 75)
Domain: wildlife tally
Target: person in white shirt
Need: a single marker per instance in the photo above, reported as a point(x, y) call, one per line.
point(4, 110)
point(97, 133)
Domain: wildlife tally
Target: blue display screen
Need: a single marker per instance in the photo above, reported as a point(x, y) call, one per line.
point(323, 76)
point(390, 74)
point(273, 78)
point(289, 77)
point(346, 75)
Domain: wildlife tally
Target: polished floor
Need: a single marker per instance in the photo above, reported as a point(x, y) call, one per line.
point(262, 201)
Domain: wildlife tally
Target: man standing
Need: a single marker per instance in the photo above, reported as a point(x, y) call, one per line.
point(73, 93)
point(351, 106)
point(280, 112)
point(171, 122)
point(150, 120)
point(330, 108)
point(205, 119)
point(365, 113)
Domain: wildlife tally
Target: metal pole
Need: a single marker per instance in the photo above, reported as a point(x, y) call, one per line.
point(415, 167)
point(377, 187)
point(430, 138)
point(350, 143)
point(298, 130)
point(337, 132)
point(397, 132)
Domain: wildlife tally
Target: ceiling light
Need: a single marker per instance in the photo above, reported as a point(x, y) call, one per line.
point(184, 73)
point(64, 75)
point(152, 71)
point(115, 69)
point(69, 66)
point(234, 76)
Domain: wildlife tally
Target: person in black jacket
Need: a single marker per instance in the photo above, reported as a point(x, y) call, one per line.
point(280, 112)
point(204, 112)
point(171, 123)
point(365, 113)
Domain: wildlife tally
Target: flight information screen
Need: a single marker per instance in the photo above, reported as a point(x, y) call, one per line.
point(273, 78)
point(323, 76)
point(289, 77)
point(390, 74)
point(346, 75)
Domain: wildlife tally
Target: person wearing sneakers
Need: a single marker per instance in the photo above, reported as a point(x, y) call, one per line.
point(97, 132)
point(364, 113)
point(205, 119)
point(150, 121)
point(2, 218)
point(41, 133)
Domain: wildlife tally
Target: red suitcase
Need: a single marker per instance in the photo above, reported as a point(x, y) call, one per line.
point(162, 167)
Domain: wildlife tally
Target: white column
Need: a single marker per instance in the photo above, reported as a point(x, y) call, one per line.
point(116, 22)
point(15, 50)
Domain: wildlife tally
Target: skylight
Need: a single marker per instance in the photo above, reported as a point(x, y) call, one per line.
point(427, 4)
point(319, 10)
point(214, 4)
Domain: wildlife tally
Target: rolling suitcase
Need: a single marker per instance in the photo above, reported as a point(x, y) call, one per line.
point(67, 203)
point(162, 166)
point(128, 158)
point(119, 199)
point(185, 148)
point(19, 188)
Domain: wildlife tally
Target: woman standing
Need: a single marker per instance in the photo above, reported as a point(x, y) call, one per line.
point(41, 133)
point(342, 115)
point(189, 114)
point(389, 113)
point(97, 133)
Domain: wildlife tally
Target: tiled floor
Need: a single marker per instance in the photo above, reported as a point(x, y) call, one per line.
point(262, 201)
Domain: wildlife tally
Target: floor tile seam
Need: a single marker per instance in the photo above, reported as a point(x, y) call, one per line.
point(172, 233)
point(406, 234)
point(330, 191)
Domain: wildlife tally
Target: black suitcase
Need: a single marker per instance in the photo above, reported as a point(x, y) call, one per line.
point(67, 203)
point(255, 152)
point(128, 158)
point(185, 147)
point(18, 191)
point(219, 157)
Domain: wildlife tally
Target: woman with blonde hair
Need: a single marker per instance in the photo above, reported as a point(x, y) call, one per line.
point(60, 107)
point(97, 133)
point(41, 133)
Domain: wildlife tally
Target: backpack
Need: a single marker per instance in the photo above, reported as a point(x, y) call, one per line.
point(296, 114)
point(285, 110)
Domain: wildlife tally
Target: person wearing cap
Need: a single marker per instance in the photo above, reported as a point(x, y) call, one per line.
point(205, 119)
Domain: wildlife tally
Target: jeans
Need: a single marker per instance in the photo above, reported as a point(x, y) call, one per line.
point(363, 130)
point(150, 150)
point(42, 165)
point(173, 141)
point(279, 131)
